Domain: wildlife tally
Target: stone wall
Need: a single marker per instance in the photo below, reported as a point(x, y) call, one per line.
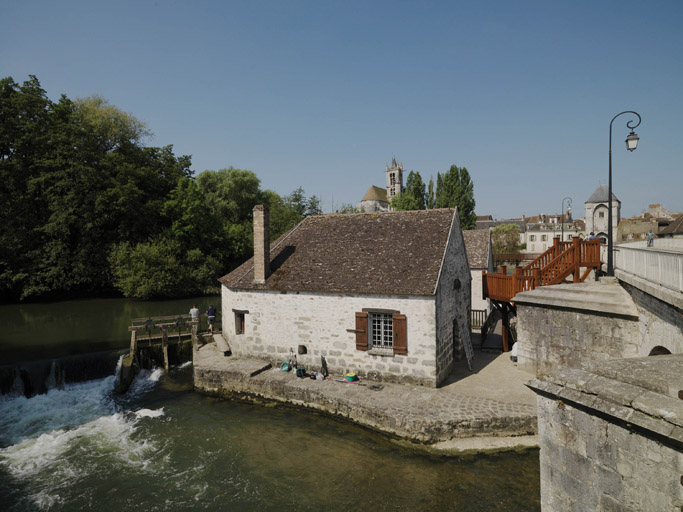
point(611, 438)
point(660, 323)
point(551, 337)
point(453, 303)
point(278, 322)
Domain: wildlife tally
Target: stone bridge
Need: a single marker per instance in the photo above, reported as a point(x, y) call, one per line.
point(637, 313)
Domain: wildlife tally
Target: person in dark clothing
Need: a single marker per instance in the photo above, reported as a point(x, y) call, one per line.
point(211, 313)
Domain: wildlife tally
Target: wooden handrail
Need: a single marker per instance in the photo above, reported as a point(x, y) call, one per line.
point(551, 267)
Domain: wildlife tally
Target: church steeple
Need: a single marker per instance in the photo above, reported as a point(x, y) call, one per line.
point(394, 179)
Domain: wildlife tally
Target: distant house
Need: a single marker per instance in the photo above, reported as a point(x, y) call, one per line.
point(480, 257)
point(375, 200)
point(673, 230)
point(386, 295)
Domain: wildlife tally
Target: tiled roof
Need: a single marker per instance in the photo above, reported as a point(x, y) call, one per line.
point(375, 194)
point(392, 253)
point(601, 195)
point(477, 247)
point(675, 228)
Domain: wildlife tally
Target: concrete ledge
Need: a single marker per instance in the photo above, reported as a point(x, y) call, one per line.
point(415, 414)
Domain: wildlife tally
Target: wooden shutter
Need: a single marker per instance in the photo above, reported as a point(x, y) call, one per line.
point(361, 331)
point(400, 334)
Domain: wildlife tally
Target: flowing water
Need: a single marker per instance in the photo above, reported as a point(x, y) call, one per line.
point(164, 447)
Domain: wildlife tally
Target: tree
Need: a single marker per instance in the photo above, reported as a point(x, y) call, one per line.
point(431, 202)
point(505, 239)
point(455, 189)
point(405, 201)
point(75, 181)
point(111, 127)
point(416, 188)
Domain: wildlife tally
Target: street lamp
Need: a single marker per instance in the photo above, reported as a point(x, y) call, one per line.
point(569, 208)
point(631, 144)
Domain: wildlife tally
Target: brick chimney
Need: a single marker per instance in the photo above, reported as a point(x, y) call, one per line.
point(261, 243)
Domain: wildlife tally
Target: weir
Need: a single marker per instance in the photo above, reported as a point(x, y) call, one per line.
point(157, 331)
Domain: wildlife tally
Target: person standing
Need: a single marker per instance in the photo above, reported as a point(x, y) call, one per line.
point(650, 238)
point(211, 313)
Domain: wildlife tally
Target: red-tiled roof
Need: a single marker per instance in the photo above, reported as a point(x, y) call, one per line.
point(392, 253)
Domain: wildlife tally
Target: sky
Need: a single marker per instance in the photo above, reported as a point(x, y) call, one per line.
point(323, 94)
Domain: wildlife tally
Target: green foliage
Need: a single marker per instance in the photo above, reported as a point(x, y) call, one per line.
point(415, 187)
point(349, 208)
point(404, 202)
point(455, 189)
point(87, 208)
point(431, 201)
point(505, 239)
point(161, 268)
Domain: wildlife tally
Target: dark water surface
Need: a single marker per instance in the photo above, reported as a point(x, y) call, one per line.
point(165, 447)
point(57, 329)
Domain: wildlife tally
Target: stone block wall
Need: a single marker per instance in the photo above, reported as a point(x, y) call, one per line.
point(453, 303)
point(588, 463)
point(551, 337)
point(660, 323)
point(277, 322)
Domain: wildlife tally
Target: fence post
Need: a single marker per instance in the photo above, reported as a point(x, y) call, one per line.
point(518, 275)
point(537, 277)
point(133, 342)
point(164, 346)
point(576, 241)
point(484, 288)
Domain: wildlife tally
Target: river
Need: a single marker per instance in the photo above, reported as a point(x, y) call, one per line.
point(164, 447)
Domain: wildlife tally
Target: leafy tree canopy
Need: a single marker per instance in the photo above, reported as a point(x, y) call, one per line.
point(455, 189)
point(505, 239)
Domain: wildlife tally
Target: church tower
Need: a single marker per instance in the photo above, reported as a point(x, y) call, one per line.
point(394, 179)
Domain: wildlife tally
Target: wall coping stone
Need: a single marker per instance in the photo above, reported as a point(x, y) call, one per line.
point(641, 392)
point(670, 296)
point(605, 297)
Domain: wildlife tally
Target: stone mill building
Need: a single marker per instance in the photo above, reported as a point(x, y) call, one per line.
point(386, 295)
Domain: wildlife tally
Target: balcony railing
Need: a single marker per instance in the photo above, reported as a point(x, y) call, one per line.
point(661, 265)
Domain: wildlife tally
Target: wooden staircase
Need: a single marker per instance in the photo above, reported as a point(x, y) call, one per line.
point(576, 258)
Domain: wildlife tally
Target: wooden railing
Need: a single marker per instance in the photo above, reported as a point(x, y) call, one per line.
point(478, 318)
point(551, 267)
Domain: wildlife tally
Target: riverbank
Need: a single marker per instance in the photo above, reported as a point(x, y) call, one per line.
point(486, 410)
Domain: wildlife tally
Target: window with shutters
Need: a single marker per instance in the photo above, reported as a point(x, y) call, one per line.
point(381, 332)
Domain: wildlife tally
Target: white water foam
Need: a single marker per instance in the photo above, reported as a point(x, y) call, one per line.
point(52, 441)
point(149, 413)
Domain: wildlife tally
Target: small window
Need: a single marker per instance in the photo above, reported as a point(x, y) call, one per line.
point(544, 238)
point(382, 330)
point(601, 215)
point(239, 323)
point(532, 238)
point(571, 237)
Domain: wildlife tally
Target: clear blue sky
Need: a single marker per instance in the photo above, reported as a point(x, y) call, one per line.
point(323, 94)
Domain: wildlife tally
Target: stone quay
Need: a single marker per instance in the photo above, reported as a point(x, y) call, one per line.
point(486, 410)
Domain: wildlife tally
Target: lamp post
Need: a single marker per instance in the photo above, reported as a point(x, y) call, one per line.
point(631, 144)
point(569, 207)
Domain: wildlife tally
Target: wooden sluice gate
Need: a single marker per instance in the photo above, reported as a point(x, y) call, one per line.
point(150, 332)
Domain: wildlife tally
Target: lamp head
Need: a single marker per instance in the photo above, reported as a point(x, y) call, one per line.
point(632, 141)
